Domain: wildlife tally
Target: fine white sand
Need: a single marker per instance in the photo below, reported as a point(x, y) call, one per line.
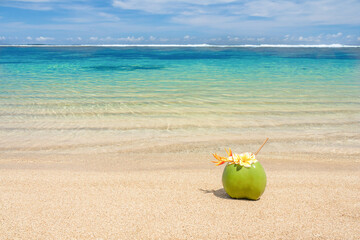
point(175, 196)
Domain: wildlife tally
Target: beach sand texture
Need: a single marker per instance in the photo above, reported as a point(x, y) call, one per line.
point(147, 196)
point(117, 143)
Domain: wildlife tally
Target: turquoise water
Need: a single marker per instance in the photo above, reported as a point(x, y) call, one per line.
point(101, 99)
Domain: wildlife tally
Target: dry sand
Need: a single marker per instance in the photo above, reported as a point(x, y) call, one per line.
point(175, 196)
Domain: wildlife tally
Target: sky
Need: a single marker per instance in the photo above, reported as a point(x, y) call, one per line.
point(180, 22)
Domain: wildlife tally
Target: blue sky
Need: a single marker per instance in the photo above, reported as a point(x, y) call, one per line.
point(180, 22)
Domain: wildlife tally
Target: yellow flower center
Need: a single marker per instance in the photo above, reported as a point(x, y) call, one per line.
point(244, 159)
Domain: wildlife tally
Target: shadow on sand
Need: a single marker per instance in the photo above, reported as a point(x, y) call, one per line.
point(220, 193)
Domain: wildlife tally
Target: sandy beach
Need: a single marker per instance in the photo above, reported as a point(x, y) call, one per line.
point(176, 195)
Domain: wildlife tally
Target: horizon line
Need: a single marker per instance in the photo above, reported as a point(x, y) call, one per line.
point(190, 45)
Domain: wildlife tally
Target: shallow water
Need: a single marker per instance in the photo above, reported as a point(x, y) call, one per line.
point(111, 99)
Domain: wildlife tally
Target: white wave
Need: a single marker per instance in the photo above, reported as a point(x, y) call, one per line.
point(195, 45)
point(307, 46)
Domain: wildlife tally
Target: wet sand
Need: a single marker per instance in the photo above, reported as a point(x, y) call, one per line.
point(175, 195)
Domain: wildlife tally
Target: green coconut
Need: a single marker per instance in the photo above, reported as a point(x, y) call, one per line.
point(244, 182)
point(243, 176)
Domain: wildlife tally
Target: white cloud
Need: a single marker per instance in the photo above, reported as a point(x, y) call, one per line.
point(34, 1)
point(358, 38)
point(266, 8)
point(122, 39)
point(74, 39)
point(75, 20)
point(41, 39)
point(311, 38)
point(165, 6)
point(32, 5)
point(286, 37)
point(107, 39)
point(215, 39)
point(260, 15)
point(108, 16)
point(2, 38)
point(251, 39)
point(213, 21)
point(233, 39)
point(306, 12)
point(39, 5)
point(131, 39)
point(336, 35)
point(28, 38)
point(202, 18)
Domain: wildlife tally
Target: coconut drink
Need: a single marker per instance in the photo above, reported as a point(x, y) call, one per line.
point(243, 176)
